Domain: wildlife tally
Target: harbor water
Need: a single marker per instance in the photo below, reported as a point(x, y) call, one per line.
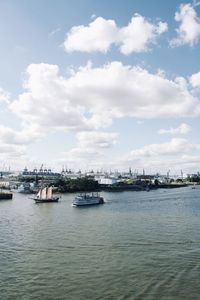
point(138, 245)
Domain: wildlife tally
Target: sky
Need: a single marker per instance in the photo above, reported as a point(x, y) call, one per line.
point(102, 85)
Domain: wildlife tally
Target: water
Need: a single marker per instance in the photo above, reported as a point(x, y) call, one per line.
point(138, 245)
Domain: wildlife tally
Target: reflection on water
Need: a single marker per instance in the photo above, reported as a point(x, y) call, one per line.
point(137, 245)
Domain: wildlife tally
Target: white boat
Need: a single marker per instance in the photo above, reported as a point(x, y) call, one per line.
point(25, 188)
point(45, 195)
point(87, 199)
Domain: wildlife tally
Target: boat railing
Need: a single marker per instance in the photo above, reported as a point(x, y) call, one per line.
point(93, 194)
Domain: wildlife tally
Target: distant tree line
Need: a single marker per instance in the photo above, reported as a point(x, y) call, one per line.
point(28, 178)
point(76, 185)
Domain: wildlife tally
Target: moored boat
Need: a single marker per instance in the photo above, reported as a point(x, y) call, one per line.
point(45, 195)
point(5, 195)
point(87, 199)
point(25, 188)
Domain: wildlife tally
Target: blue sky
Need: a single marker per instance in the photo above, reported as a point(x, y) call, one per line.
point(100, 84)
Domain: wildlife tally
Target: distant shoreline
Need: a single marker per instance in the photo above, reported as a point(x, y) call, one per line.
point(136, 187)
point(130, 187)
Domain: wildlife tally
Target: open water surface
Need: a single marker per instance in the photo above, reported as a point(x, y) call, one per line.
point(138, 245)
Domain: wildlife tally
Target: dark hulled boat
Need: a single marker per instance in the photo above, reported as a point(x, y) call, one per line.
point(5, 195)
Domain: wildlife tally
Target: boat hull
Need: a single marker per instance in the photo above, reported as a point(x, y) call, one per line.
point(46, 200)
point(6, 196)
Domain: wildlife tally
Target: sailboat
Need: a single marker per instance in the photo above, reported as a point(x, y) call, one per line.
point(45, 195)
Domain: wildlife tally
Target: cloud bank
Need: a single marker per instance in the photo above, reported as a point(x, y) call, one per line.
point(89, 99)
point(92, 97)
point(177, 153)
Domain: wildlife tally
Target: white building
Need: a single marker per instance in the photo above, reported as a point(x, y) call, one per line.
point(107, 180)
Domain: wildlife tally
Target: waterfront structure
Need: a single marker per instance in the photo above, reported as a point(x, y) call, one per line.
point(41, 172)
point(4, 184)
point(104, 180)
point(25, 188)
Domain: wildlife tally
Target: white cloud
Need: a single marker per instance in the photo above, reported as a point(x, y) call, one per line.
point(21, 49)
point(174, 147)
point(139, 33)
point(139, 122)
point(195, 80)
point(11, 151)
point(10, 136)
point(14, 143)
point(91, 97)
point(90, 149)
point(182, 82)
point(161, 27)
point(46, 102)
point(119, 90)
point(54, 32)
point(175, 154)
point(81, 155)
point(4, 96)
point(100, 34)
point(96, 139)
point(93, 16)
point(189, 29)
point(182, 129)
